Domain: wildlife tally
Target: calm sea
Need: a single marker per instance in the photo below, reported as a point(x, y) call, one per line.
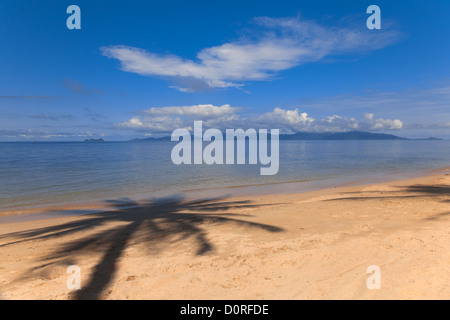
point(41, 174)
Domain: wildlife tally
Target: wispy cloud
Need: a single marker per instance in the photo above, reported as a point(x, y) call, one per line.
point(26, 135)
point(56, 117)
point(166, 119)
point(275, 45)
point(30, 97)
point(202, 110)
point(79, 88)
point(94, 116)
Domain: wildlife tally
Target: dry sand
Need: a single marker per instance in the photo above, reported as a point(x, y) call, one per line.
point(316, 245)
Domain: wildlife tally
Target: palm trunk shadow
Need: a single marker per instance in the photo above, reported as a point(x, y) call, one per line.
point(106, 269)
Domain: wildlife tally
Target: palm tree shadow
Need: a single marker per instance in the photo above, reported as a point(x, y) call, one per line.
point(155, 224)
point(439, 190)
point(413, 191)
point(419, 191)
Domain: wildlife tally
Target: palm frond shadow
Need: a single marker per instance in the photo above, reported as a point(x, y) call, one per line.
point(439, 192)
point(159, 223)
point(415, 191)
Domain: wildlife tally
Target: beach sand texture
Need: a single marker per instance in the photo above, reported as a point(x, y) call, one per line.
point(315, 245)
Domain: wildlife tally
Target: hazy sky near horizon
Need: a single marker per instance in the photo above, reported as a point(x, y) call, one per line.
point(146, 68)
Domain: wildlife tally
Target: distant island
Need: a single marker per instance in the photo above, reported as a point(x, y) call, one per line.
point(94, 140)
point(351, 135)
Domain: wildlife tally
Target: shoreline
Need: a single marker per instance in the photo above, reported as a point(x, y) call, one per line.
point(264, 189)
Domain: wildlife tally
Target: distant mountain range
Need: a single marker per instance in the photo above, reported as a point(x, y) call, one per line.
point(351, 135)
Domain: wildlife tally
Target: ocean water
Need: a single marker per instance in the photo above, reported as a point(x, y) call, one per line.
point(42, 174)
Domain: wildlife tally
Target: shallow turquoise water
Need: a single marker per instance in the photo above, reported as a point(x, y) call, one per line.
point(33, 174)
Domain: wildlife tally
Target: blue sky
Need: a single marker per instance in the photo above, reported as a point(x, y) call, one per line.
point(145, 68)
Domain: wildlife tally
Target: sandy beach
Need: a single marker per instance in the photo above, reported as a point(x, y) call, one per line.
point(315, 245)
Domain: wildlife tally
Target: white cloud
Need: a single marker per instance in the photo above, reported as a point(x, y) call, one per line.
point(418, 108)
point(201, 110)
point(376, 124)
point(44, 135)
point(293, 120)
point(166, 119)
point(277, 44)
point(153, 124)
